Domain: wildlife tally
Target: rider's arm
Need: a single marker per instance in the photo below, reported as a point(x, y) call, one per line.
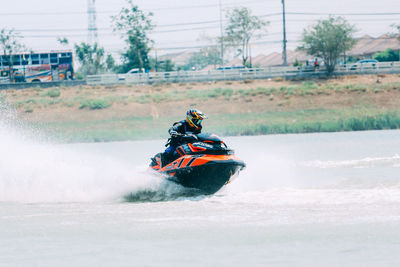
point(176, 129)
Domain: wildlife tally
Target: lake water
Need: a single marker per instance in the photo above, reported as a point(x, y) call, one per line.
point(330, 199)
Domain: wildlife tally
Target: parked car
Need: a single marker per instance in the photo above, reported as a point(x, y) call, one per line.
point(365, 63)
point(132, 71)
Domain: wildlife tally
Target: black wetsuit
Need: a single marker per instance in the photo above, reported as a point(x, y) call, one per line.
point(180, 127)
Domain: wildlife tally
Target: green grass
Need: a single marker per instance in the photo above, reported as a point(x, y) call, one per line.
point(95, 104)
point(55, 92)
point(53, 96)
point(129, 128)
point(377, 122)
point(304, 121)
point(307, 88)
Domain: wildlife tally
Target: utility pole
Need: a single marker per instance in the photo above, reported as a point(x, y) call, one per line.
point(156, 66)
point(251, 61)
point(284, 35)
point(222, 33)
point(92, 28)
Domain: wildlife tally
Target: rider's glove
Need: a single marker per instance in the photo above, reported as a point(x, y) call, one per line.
point(174, 134)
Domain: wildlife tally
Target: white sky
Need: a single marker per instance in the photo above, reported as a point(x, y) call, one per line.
point(41, 22)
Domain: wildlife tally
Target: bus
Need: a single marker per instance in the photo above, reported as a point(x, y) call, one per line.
point(38, 67)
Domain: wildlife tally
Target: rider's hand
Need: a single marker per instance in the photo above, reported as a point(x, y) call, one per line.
point(174, 134)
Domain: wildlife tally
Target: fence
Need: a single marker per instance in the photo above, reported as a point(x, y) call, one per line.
point(241, 74)
point(304, 72)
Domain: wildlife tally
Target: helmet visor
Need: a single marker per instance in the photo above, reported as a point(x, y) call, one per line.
point(197, 122)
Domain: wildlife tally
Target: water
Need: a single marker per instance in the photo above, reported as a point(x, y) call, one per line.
point(328, 199)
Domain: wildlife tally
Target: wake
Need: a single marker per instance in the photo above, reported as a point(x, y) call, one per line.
point(35, 170)
point(165, 191)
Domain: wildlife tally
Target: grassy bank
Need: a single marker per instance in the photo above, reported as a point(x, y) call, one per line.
point(104, 97)
point(305, 121)
point(113, 113)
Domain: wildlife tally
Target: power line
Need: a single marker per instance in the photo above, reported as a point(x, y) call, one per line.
point(256, 42)
point(113, 34)
point(345, 14)
point(215, 45)
point(210, 5)
point(185, 24)
point(57, 13)
point(158, 26)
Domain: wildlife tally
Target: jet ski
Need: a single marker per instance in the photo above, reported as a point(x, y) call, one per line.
point(202, 162)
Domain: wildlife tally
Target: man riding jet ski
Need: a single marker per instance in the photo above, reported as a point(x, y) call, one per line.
point(196, 160)
point(192, 125)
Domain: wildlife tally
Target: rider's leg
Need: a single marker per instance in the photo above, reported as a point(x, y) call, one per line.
point(168, 154)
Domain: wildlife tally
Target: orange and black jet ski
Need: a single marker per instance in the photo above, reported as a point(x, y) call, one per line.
point(203, 162)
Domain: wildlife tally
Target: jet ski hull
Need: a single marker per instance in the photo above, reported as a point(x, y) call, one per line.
point(206, 173)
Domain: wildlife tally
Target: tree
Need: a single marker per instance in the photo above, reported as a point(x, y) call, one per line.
point(110, 62)
point(10, 44)
point(209, 55)
point(90, 57)
point(387, 55)
point(135, 26)
point(163, 65)
point(398, 37)
point(241, 28)
point(328, 39)
point(398, 29)
point(62, 40)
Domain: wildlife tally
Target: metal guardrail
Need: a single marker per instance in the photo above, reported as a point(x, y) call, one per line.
point(218, 75)
point(241, 74)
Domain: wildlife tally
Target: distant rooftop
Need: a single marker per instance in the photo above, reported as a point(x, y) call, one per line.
point(368, 45)
point(365, 47)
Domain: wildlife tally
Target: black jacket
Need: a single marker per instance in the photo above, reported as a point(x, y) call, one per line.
point(183, 128)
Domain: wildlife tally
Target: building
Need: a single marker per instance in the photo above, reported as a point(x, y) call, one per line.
point(367, 46)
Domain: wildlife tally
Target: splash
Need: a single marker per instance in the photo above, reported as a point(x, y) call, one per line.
point(34, 170)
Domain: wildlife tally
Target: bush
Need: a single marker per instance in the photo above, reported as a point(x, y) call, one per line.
point(158, 98)
point(227, 93)
point(387, 55)
point(55, 92)
point(29, 109)
point(144, 99)
point(95, 104)
point(79, 76)
point(310, 85)
point(278, 79)
point(297, 63)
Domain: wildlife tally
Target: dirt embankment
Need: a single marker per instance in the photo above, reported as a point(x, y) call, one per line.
point(258, 96)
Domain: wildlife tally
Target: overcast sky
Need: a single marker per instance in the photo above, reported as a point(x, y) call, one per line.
point(42, 21)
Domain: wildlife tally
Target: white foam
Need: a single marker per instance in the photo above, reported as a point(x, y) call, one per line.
point(35, 171)
point(312, 197)
point(357, 163)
